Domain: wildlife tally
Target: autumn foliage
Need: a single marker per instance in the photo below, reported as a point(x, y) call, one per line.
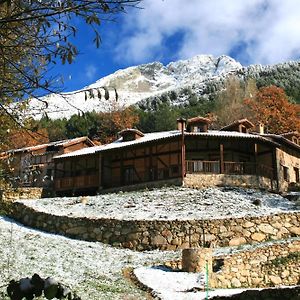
point(272, 108)
point(19, 138)
point(115, 121)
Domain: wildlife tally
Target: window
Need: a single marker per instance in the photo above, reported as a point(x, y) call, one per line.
point(174, 169)
point(285, 173)
point(129, 175)
point(297, 177)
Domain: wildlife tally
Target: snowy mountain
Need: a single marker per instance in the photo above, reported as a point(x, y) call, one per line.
point(204, 74)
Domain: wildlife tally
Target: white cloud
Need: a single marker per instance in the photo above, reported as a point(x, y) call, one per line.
point(268, 29)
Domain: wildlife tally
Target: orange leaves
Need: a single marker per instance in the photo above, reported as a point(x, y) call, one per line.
point(20, 138)
point(114, 121)
point(272, 108)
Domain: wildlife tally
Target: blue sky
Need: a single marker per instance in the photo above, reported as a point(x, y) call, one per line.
point(251, 31)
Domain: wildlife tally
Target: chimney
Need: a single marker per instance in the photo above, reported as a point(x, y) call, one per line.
point(181, 124)
point(261, 128)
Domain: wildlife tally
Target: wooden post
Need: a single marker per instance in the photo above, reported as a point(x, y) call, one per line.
point(221, 158)
point(275, 174)
point(181, 122)
point(100, 172)
point(255, 158)
point(122, 169)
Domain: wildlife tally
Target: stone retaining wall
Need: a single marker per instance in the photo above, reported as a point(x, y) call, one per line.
point(10, 194)
point(246, 181)
point(286, 293)
point(264, 266)
point(165, 235)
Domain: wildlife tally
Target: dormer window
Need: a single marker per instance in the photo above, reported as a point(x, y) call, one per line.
point(242, 126)
point(130, 134)
point(198, 124)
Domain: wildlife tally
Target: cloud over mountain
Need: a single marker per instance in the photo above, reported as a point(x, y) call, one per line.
point(253, 31)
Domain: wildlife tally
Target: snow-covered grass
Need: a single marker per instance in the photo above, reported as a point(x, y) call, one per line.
point(168, 203)
point(92, 269)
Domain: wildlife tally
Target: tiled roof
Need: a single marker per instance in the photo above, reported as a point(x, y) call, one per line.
point(291, 133)
point(81, 152)
point(148, 137)
point(281, 139)
point(155, 136)
point(64, 143)
point(129, 130)
point(199, 119)
point(238, 122)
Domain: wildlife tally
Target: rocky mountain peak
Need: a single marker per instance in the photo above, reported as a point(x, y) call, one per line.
point(143, 84)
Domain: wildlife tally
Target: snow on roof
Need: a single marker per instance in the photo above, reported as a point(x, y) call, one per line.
point(163, 135)
point(246, 122)
point(63, 143)
point(83, 151)
point(291, 133)
point(148, 137)
point(199, 119)
point(129, 130)
point(282, 139)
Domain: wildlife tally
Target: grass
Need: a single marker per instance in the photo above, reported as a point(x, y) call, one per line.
point(291, 257)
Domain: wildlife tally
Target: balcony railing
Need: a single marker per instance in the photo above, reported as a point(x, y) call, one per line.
point(232, 168)
point(202, 166)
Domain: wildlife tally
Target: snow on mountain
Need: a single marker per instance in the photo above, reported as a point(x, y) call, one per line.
point(134, 84)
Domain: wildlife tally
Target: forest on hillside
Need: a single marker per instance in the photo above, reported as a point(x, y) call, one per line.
point(239, 99)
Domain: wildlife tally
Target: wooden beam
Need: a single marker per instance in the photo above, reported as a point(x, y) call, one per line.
point(255, 157)
point(100, 171)
point(221, 158)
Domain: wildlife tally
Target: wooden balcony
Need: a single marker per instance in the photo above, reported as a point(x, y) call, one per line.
point(229, 167)
point(202, 166)
point(76, 182)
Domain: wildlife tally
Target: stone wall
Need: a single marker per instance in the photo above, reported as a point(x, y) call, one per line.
point(288, 160)
point(286, 293)
point(246, 181)
point(10, 194)
point(165, 235)
point(267, 265)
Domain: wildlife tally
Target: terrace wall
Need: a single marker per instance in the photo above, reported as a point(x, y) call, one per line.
point(166, 234)
point(9, 194)
point(211, 180)
point(265, 265)
point(269, 265)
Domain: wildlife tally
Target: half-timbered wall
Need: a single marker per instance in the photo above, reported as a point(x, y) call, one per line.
point(77, 174)
point(148, 162)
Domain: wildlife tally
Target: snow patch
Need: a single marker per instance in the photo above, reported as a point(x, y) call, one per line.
point(169, 203)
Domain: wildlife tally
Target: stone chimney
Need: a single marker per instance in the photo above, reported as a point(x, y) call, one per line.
point(261, 128)
point(181, 124)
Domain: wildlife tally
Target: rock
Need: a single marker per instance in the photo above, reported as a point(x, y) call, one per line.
point(276, 280)
point(76, 230)
point(158, 240)
point(285, 274)
point(258, 236)
point(237, 241)
point(267, 228)
point(176, 241)
point(222, 229)
point(248, 224)
point(295, 230)
point(235, 283)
